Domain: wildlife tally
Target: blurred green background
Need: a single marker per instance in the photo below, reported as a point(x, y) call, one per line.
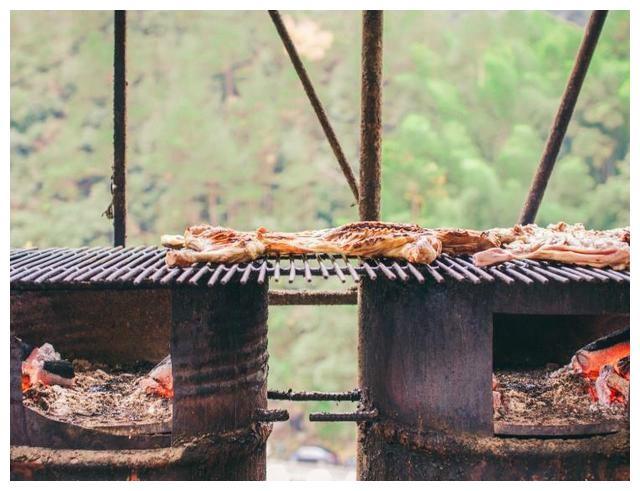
point(220, 131)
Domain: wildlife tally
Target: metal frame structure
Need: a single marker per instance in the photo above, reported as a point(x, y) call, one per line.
point(192, 339)
point(367, 191)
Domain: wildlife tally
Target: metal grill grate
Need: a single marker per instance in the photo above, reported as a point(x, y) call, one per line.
point(145, 266)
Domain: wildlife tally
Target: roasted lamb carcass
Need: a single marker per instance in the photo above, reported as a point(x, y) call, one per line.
point(560, 242)
point(464, 241)
point(204, 243)
point(362, 239)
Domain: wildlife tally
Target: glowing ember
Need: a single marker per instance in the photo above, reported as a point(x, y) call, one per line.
point(606, 364)
point(160, 380)
point(589, 363)
point(34, 368)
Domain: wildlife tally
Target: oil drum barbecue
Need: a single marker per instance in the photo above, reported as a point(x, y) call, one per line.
point(431, 337)
point(428, 352)
point(217, 338)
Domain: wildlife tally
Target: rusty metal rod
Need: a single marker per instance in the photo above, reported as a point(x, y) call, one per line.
point(118, 184)
point(271, 415)
point(315, 102)
point(355, 416)
point(371, 115)
point(312, 297)
point(289, 395)
point(563, 117)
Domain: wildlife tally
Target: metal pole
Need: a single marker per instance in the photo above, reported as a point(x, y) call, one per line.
point(369, 204)
point(371, 115)
point(315, 102)
point(118, 184)
point(563, 117)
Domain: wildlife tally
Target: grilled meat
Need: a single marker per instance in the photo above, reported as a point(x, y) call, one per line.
point(462, 241)
point(364, 239)
point(204, 243)
point(560, 242)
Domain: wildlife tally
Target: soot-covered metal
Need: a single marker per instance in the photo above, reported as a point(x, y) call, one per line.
point(217, 338)
point(426, 356)
point(145, 267)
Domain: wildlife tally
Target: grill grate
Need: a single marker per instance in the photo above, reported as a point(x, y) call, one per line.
point(144, 266)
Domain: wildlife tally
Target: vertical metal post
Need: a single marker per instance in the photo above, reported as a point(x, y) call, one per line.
point(369, 202)
point(118, 185)
point(563, 117)
point(371, 115)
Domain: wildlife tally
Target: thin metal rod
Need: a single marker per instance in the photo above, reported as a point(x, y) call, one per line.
point(289, 395)
point(312, 297)
point(119, 129)
point(371, 115)
point(315, 102)
point(563, 117)
point(355, 416)
point(271, 415)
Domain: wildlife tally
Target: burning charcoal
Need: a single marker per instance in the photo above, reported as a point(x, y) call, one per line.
point(611, 387)
point(62, 368)
point(604, 351)
point(603, 392)
point(619, 385)
point(33, 369)
point(623, 367)
point(160, 379)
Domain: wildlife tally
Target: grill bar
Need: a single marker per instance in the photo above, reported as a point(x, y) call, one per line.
point(145, 266)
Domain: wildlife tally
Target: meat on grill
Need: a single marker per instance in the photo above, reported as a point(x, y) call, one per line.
point(560, 242)
point(204, 243)
point(465, 241)
point(364, 239)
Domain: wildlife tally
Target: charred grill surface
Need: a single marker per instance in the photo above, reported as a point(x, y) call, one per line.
point(145, 267)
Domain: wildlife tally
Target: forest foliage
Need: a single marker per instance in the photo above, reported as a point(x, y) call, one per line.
point(220, 131)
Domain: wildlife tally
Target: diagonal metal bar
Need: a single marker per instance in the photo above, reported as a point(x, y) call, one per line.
point(118, 184)
point(371, 115)
point(315, 102)
point(563, 117)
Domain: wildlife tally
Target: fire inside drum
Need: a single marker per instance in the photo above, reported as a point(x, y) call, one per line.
point(551, 397)
point(101, 398)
